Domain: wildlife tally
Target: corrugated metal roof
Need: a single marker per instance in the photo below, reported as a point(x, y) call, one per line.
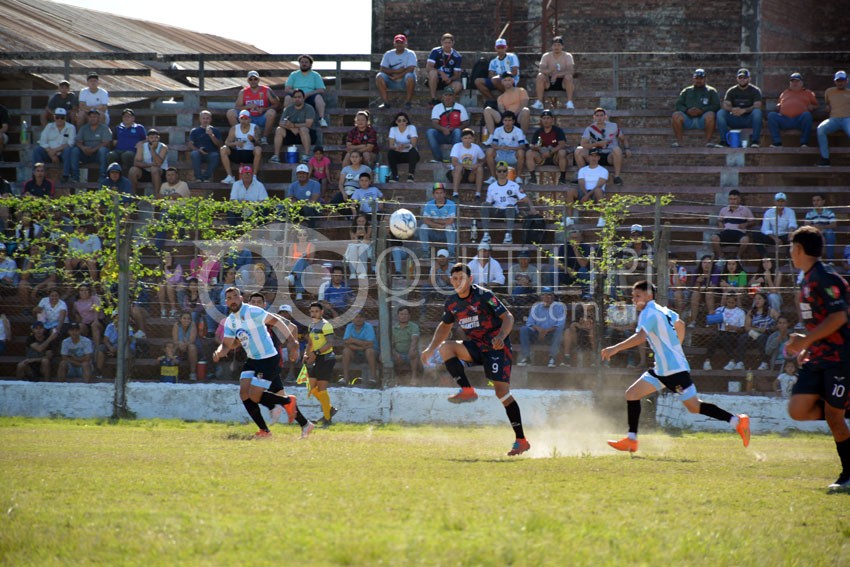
point(40, 25)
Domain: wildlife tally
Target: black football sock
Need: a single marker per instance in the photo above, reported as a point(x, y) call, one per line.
point(714, 412)
point(254, 411)
point(455, 368)
point(270, 400)
point(633, 411)
point(299, 417)
point(514, 416)
point(843, 448)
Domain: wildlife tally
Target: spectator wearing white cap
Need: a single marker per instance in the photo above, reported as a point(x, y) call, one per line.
point(546, 321)
point(837, 101)
point(793, 112)
point(398, 72)
point(778, 223)
point(259, 100)
point(307, 192)
point(242, 146)
point(696, 109)
point(439, 280)
point(486, 271)
point(503, 62)
point(56, 141)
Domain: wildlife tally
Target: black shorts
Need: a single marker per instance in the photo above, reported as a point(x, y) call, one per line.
point(827, 381)
point(311, 99)
point(266, 369)
point(729, 236)
point(242, 156)
point(146, 176)
point(676, 383)
point(323, 367)
point(292, 139)
point(558, 85)
point(466, 176)
point(603, 159)
point(496, 363)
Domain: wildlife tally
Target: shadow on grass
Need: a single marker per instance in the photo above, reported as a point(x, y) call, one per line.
point(665, 459)
point(237, 436)
point(484, 460)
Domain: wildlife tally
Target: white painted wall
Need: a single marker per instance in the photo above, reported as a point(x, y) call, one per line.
point(219, 402)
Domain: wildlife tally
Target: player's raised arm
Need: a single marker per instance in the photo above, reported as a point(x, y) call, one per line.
point(441, 333)
point(635, 340)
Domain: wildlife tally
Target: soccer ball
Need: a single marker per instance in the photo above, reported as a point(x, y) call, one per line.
point(402, 224)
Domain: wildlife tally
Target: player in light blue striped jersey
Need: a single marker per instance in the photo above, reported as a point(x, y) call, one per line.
point(664, 331)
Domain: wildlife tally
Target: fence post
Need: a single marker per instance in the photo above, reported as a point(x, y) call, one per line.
point(384, 319)
point(122, 247)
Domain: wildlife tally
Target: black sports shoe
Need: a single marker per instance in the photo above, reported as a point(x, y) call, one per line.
point(824, 162)
point(840, 485)
point(562, 179)
point(618, 180)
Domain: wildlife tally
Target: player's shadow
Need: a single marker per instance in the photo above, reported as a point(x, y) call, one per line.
point(467, 460)
point(665, 459)
point(236, 436)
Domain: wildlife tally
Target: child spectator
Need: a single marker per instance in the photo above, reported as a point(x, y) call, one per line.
point(365, 198)
point(785, 381)
point(171, 291)
point(320, 170)
point(169, 365)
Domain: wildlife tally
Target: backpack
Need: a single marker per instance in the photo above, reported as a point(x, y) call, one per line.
point(533, 230)
point(480, 70)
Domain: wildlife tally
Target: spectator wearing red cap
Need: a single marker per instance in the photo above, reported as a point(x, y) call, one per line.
point(242, 145)
point(793, 112)
point(398, 72)
point(556, 73)
point(837, 100)
point(259, 100)
point(247, 188)
point(503, 62)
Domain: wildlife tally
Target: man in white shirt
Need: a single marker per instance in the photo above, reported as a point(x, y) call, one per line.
point(486, 271)
point(448, 119)
point(467, 164)
point(56, 140)
point(398, 72)
point(778, 224)
point(247, 188)
point(592, 180)
point(507, 144)
point(93, 98)
point(503, 196)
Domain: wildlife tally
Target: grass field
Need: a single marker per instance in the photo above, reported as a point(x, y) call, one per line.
point(170, 493)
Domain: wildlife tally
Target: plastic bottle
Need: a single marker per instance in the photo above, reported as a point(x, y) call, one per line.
point(25, 132)
point(473, 233)
point(749, 381)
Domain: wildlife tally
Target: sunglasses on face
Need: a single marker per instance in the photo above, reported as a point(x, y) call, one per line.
point(501, 171)
point(60, 118)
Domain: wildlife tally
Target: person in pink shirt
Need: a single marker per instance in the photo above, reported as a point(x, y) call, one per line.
point(320, 168)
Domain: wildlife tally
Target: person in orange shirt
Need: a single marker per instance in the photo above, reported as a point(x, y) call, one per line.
point(837, 102)
point(793, 112)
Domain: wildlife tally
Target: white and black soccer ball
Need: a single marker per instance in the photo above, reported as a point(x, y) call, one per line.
point(403, 224)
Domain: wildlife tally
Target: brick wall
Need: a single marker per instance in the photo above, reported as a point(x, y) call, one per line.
point(808, 26)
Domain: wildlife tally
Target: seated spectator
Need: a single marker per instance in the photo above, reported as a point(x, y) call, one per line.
point(311, 83)
point(38, 274)
point(335, 294)
point(193, 303)
point(837, 102)
point(503, 62)
point(760, 322)
point(402, 141)
point(405, 343)
point(247, 189)
point(64, 99)
point(793, 112)
point(126, 136)
point(768, 280)
point(84, 254)
point(507, 144)
point(556, 73)
point(5, 332)
point(546, 322)
point(184, 335)
point(260, 102)
point(704, 286)
point(824, 220)
point(742, 108)
point(678, 293)
point(115, 181)
point(776, 227)
point(581, 333)
point(696, 109)
point(572, 263)
point(633, 260)
point(359, 249)
point(56, 142)
point(444, 68)
point(301, 253)
point(524, 277)
point(784, 383)
point(77, 352)
point(775, 346)
point(734, 220)
point(36, 365)
point(362, 138)
point(88, 313)
point(93, 97)
point(242, 146)
point(27, 231)
point(40, 185)
point(205, 143)
point(349, 177)
point(514, 99)
point(360, 344)
point(548, 147)
point(170, 292)
point(173, 188)
point(398, 72)
point(439, 221)
point(150, 164)
point(726, 339)
point(320, 170)
point(205, 268)
point(439, 282)
point(366, 198)
point(845, 265)
point(109, 346)
point(608, 138)
point(620, 322)
point(467, 164)
point(8, 270)
point(297, 126)
point(592, 181)
point(307, 192)
point(733, 279)
point(91, 146)
point(486, 271)
point(503, 199)
point(449, 120)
